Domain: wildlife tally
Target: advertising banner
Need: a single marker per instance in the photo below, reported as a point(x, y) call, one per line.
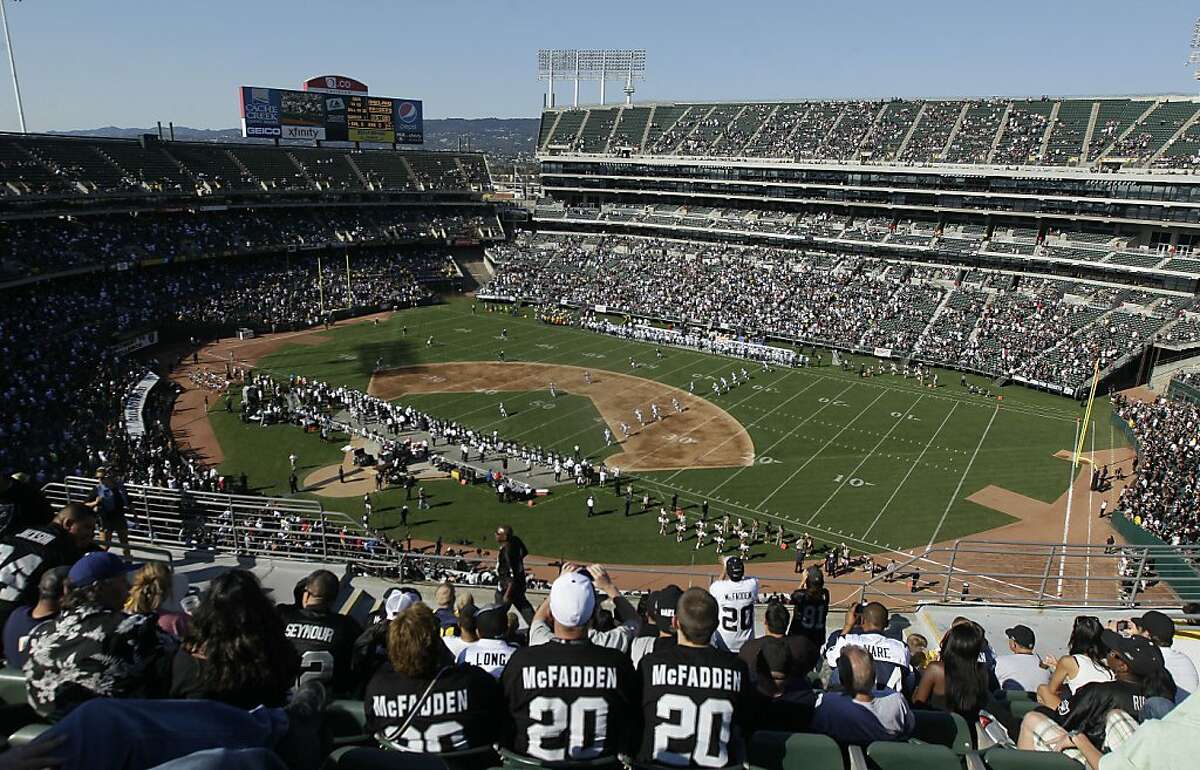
point(135, 405)
point(261, 112)
point(340, 116)
point(408, 121)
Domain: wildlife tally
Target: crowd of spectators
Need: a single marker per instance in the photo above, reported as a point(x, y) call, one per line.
point(42, 247)
point(1002, 132)
point(34, 165)
point(234, 676)
point(1043, 330)
point(55, 424)
point(1164, 496)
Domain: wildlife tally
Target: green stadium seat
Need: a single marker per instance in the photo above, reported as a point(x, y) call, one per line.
point(794, 751)
point(346, 723)
point(360, 758)
point(883, 755)
point(942, 728)
point(1015, 759)
point(27, 734)
point(12, 685)
point(1022, 707)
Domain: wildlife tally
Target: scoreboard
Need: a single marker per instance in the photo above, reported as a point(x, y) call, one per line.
point(337, 117)
point(371, 118)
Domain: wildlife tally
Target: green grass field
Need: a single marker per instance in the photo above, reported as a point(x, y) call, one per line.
point(877, 462)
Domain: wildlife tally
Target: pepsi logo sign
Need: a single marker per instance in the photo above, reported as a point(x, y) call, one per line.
point(407, 112)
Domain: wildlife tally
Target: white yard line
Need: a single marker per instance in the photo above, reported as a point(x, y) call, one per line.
point(916, 462)
point(846, 477)
point(962, 479)
point(817, 453)
point(758, 419)
point(784, 438)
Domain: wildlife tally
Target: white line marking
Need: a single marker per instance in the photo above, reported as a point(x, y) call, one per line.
point(962, 479)
point(916, 462)
point(785, 437)
point(824, 446)
point(863, 461)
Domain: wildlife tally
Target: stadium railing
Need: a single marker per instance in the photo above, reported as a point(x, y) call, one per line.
point(1137, 573)
point(241, 524)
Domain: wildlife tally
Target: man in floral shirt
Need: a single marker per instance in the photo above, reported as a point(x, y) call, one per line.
point(93, 649)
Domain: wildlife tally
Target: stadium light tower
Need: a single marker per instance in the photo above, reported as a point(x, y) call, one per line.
point(1194, 58)
point(597, 64)
point(12, 66)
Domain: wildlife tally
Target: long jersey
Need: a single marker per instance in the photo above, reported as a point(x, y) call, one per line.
point(695, 701)
point(24, 558)
point(325, 641)
point(460, 712)
point(735, 616)
point(808, 616)
point(571, 700)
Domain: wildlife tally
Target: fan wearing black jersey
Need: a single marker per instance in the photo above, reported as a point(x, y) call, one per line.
point(424, 702)
point(810, 606)
point(323, 637)
point(26, 554)
point(696, 699)
point(571, 699)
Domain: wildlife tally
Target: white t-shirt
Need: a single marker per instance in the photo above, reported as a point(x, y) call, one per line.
point(1183, 671)
point(456, 645)
point(735, 612)
point(489, 654)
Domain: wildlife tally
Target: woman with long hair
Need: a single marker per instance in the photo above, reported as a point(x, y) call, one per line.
point(151, 587)
point(421, 670)
point(958, 681)
point(1083, 663)
point(235, 650)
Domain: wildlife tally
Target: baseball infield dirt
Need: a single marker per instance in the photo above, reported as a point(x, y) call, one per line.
point(702, 436)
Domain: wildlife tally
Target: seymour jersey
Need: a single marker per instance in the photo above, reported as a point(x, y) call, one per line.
point(571, 700)
point(325, 641)
point(460, 712)
point(24, 558)
point(695, 702)
point(735, 603)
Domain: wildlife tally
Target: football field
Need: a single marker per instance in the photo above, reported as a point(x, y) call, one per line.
point(877, 462)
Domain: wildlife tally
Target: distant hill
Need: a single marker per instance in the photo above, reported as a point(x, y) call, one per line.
point(503, 139)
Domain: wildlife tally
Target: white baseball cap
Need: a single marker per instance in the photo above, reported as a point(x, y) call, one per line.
point(572, 599)
point(398, 602)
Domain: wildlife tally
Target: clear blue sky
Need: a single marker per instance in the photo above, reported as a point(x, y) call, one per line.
point(86, 63)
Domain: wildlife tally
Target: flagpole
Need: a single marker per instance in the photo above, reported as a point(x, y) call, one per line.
point(12, 66)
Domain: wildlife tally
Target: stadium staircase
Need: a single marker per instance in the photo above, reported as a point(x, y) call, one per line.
point(999, 132)
point(962, 116)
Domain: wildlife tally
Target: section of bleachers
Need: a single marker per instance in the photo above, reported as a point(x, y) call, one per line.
point(1024, 128)
point(932, 131)
point(593, 137)
point(1114, 116)
point(1070, 128)
point(630, 126)
point(885, 138)
point(973, 141)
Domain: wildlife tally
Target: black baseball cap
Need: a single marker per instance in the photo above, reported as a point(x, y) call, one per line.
point(665, 602)
point(1160, 627)
point(735, 568)
point(1140, 653)
point(491, 621)
point(1022, 635)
